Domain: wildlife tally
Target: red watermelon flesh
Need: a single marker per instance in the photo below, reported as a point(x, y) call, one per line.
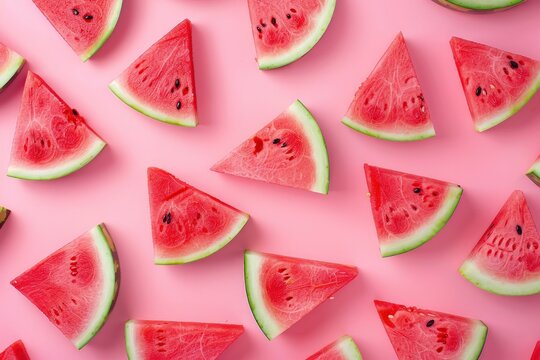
point(168, 340)
point(76, 286)
point(497, 83)
point(506, 260)
point(408, 210)
point(84, 24)
point(431, 335)
point(161, 82)
point(281, 290)
point(15, 351)
point(390, 104)
point(11, 64)
point(343, 348)
point(188, 224)
point(536, 352)
point(289, 151)
point(51, 139)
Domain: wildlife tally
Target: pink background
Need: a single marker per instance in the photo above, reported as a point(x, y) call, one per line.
point(236, 99)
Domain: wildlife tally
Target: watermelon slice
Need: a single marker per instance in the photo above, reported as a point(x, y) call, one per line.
point(536, 352)
point(76, 286)
point(390, 104)
point(289, 151)
point(160, 340)
point(497, 83)
point(281, 290)
point(4, 214)
point(433, 334)
point(408, 210)
point(534, 172)
point(161, 82)
point(506, 260)
point(343, 348)
point(188, 224)
point(15, 351)
point(51, 139)
point(479, 5)
point(285, 30)
point(11, 64)
point(84, 25)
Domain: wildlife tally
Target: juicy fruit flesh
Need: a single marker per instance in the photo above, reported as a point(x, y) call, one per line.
point(496, 83)
point(178, 340)
point(15, 351)
point(10, 65)
point(479, 5)
point(342, 349)
point(536, 352)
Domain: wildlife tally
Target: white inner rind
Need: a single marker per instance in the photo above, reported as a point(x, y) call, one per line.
point(131, 345)
point(297, 51)
point(13, 66)
point(113, 19)
point(482, 279)
point(476, 342)
point(480, 4)
point(348, 349)
point(386, 135)
point(427, 231)
point(128, 98)
point(534, 173)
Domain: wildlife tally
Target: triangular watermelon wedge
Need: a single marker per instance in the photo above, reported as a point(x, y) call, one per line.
point(408, 210)
point(289, 151)
point(154, 340)
point(497, 83)
point(343, 348)
point(4, 214)
point(433, 334)
point(506, 260)
point(11, 64)
point(285, 30)
point(390, 104)
point(281, 290)
point(76, 286)
point(161, 82)
point(15, 351)
point(51, 139)
point(84, 25)
point(188, 224)
point(534, 172)
point(536, 352)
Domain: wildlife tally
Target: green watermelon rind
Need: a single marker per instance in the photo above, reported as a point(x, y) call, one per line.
point(349, 349)
point(386, 135)
point(11, 69)
point(428, 230)
point(131, 346)
point(218, 245)
point(128, 98)
point(115, 14)
point(273, 62)
point(477, 341)
point(60, 170)
point(534, 173)
point(475, 5)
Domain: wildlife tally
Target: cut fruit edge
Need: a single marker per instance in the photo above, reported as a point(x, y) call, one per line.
point(16, 62)
point(130, 340)
point(427, 231)
point(534, 173)
point(349, 349)
point(106, 33)
point(218, 245)
point(477, 341)
point(467, 5)
point(123, 94)
point(301, 49)
point(385, 135)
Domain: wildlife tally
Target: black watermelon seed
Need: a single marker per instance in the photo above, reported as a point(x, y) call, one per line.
point(416, 190)
point(178, 105)
point(88, 17)
point(276, 141)
point(478, 91)
point(284, 145)
point(75, 112)
point(513, 64)
point(273, 21)
point(177, 83)
point(519, 230)
point(259, 29)
point(75, 11)
point(430, 323)
point(289, 16)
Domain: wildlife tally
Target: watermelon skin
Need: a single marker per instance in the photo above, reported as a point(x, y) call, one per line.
point(168, 340)
point(506, 259)
point(534, 172)
point(405, 117)
point(4, 214)
point(297, 26)
point(433, 334)
point(188, 224)
point(167, 66)
point(71, 19)
point(51, 139)
point(281, 292)
point(494, 96)
point(343, 348)
point(288, 151)
point(408, 210)
point(76, 286)
point(479, 5)
point(11, 64)
point(15, 351)
point(536, 352)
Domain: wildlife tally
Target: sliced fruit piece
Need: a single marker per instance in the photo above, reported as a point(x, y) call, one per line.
point(163, 340)
point(188, 224)
point(408, 210)
point(433, 334)
point(506, 260)
point(4, 214)
point(76, 286)
point(536, 352)
point(161, 82)
point(11, 64)
point(281, 290)
point(534, 172)
point(479, 5)
point(51, 139)
point(15, 351)
point(289, 151)
point(497, 83)
point(84, 25)
point(285, 30)
point(390, 104)
point(343, 348)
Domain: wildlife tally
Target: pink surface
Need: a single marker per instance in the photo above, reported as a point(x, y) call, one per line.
point(235, 100)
